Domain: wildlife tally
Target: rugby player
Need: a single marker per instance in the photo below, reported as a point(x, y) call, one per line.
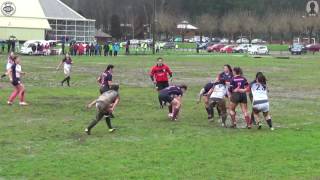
point(204, 95)
point(159, 75)
point(239, 87)
point(226, 75)
point(9, 64)
point(260, 102)
point(105, 105)
point(105, 79)
point(217, 98)
point(15, 74)
point(67, 66)
point(173, 96)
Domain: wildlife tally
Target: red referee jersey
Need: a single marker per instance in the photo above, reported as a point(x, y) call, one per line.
point(160, 73)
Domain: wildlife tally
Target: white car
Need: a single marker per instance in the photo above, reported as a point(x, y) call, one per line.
point(258, 50)
point(258, 41)
point(242, 41)
point(134, 41)
point(242, 48)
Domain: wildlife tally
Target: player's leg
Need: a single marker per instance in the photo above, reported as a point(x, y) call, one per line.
point(176, 104)
point(233, 107)
point(255, 113)
point(22, 95)
point(244, 109)
point(108, 121)
point(14, 94)
point(209, 104)
point(267, 115)
point(223, 110)
point(93, 123)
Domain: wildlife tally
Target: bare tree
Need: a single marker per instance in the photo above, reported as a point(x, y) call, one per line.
point(229, 22)
point(167, 23)
point(207, 24)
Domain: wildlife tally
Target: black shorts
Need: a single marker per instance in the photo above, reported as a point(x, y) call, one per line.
point(165, 98)
point(162, 85)
point(16, 82)
point(239, 98)
point(104, 89)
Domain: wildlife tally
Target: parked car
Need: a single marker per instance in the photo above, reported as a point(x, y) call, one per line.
point(134, 41)
point(215, 48)
point(242, 41)
point(258, 50)
point(313, 47)
point(258, 41)
point(216, 40)
point(298, 49)
point(169, 45)
point(227, 49)
point(206, 45)
point(242, 48)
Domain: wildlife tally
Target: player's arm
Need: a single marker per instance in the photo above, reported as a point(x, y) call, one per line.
point(169, 72)
point(115, 104)
point(61, 62)
point(91, 104)
point(200, 95)
point(10, 74)
point(152, 75)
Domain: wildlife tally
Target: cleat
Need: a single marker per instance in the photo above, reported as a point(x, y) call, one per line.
point(112, 130)
point(234, 126)
point(23, 104)
point(170, 115)
point(87, 131)
point(272, 129)
point(259, 126)
point(9, 103)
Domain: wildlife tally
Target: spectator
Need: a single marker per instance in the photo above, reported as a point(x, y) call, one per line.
point(96, 49)
point(100, 50)
point(106, 49)
point(128, 47)
point(110, 49)
point(116, 49)
point(87, 49)
point(91, 49)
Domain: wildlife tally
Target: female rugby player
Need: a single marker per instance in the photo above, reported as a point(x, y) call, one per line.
point(260, 102)
point(67, 66)
point(15, 74)
point(239, 87)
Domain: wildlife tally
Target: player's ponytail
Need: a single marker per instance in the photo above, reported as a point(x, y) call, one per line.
point(238, 71)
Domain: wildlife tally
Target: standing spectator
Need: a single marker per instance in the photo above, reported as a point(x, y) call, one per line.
point(106, 49)
point(110, 49)
point(81, 49)
point(75, 49)
point(63, 41)
point(128, 47)
point(100, 50)
point(9, 46)
point(2, 47)
point(87, 49)
point(91, 49)
point(96, 50)
point(116, 49)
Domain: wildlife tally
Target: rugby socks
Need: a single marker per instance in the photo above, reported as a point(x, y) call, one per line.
point(68, 80)
point(233, 118)
point(175, 113)
point(269, 121)
point(210, 112)
point(99, 116)
point(170, 109)
point(248, 120)
point(108, 121)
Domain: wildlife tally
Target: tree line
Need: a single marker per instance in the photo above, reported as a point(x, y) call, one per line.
point(268, 19)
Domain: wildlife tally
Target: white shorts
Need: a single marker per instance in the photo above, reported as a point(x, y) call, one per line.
point(67, 70)
point(9, 65)
point(264, 107)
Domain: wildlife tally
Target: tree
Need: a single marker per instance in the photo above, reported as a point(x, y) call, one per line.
point(207, 24)
point(115, 26)
point(228, 24)
point(167, 23)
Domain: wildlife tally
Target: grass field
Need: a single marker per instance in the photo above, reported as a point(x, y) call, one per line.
point(46, 139)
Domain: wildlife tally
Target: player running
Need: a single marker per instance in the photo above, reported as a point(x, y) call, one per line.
point(239, 87)
point(67, 66)
point(105, 104)
point(217, 98)
point(8, 65)
point(15, 74)
point(204, 95)
point(159, 75)
point(105, 79)
point(260, 102)
point(173, 96)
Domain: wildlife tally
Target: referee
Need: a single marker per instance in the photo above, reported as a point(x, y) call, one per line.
point(159, 75)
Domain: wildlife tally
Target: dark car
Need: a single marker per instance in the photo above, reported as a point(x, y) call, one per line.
point(298, 49)
point(169, 45)
point(313, 47)
point(206, 45)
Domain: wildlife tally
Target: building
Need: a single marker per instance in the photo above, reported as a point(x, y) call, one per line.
point(43, 19)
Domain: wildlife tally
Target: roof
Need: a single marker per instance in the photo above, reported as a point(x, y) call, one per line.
point(102, 34)
point(186, 25)
point(56, 9)
point(29, 14)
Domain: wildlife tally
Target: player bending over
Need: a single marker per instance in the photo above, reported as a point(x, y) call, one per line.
point(105, 104)
point(217, 98)
point(204, 95)
point(260, 102)
point(173, 96)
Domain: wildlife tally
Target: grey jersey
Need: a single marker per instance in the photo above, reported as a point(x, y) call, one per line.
point(106, 99)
